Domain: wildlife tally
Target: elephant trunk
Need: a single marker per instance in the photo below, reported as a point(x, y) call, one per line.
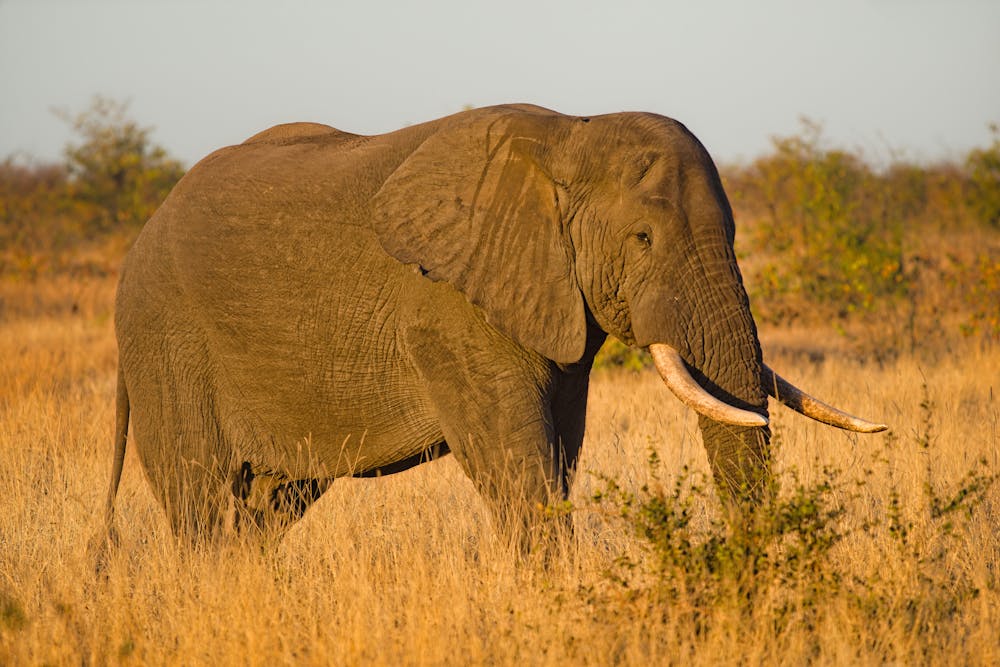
point(737, 439)
point(717, 371)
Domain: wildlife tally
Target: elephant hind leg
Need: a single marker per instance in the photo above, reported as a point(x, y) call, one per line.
point(268, 503)
point(195, 499)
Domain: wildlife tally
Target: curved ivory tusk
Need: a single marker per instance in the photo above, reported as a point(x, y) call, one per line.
point(785, 392)
point(677, 378)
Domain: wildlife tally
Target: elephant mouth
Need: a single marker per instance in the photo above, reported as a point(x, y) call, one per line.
point(678, 379)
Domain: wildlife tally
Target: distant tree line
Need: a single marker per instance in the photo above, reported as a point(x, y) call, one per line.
point(111, 180)
point(826, 235)
point(822, 234)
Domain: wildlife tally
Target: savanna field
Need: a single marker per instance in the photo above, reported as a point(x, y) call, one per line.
point(877, 289)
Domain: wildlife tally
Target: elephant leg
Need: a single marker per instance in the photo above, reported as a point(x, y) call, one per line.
point(513, 470)
point(268, 503)
point(569, 412)
point(191, 487)
point(492, 404)
point(179, 442)
point(196, 502)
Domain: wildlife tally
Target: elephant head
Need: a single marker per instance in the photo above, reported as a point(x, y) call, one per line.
point(561, 227)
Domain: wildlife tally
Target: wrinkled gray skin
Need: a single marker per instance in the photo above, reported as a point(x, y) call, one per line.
point(314, 304)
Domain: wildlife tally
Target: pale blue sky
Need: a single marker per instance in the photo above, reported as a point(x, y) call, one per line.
point(917, 76)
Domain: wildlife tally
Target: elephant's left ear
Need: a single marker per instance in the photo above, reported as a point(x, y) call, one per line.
point(474, 206)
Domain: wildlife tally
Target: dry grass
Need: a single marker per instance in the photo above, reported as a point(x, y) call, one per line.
point(404, 569)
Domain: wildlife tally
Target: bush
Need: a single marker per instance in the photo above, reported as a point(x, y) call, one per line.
point(787, 569)
point(78, 216)
point(37, 224)
point(832, 229)
point(900, 256)
point(982, 296)
point(984, 176)
point(706, 562)
point(616, 354)
point(116, 171)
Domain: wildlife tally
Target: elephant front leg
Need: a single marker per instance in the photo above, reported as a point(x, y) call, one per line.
point(493, 407)
point(513, 471)
point(569, 412)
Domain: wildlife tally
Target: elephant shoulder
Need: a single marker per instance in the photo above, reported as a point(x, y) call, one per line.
point(291, 132)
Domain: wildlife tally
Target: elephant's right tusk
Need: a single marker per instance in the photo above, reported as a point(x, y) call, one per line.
point(677, 378)
point(787, 393)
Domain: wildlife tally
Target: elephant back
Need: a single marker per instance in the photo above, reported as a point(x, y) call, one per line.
point(286, 133)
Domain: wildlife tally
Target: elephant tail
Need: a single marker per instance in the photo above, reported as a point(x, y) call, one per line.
point(121, 437)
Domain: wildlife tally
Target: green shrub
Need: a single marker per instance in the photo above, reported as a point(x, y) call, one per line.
point(77, 217)
point(709, 562)
point(830, 227)
point(115, 170)
point(984, 175)
point(980, 285)
point(616, 354)
point(788, 565)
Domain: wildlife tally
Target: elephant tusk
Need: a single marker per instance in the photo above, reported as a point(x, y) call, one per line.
point(785, 392)
point(677, 378)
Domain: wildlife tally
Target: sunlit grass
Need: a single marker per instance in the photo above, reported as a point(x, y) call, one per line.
point(405, 569)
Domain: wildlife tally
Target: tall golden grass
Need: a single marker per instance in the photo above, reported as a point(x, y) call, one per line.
point(405, 570)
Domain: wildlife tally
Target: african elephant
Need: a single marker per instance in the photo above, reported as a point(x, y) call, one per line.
point(313, 304)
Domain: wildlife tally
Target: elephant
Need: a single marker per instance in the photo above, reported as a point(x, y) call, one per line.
point(314, 304)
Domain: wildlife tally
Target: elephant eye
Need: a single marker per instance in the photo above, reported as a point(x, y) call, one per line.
point(644, 239)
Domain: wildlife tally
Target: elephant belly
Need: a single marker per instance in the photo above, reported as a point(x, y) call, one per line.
point(314, 393)
point(295, 344)
point(322, 370)
point(347, 424)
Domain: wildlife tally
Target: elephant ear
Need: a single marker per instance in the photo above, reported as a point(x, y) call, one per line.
point(474, 207)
